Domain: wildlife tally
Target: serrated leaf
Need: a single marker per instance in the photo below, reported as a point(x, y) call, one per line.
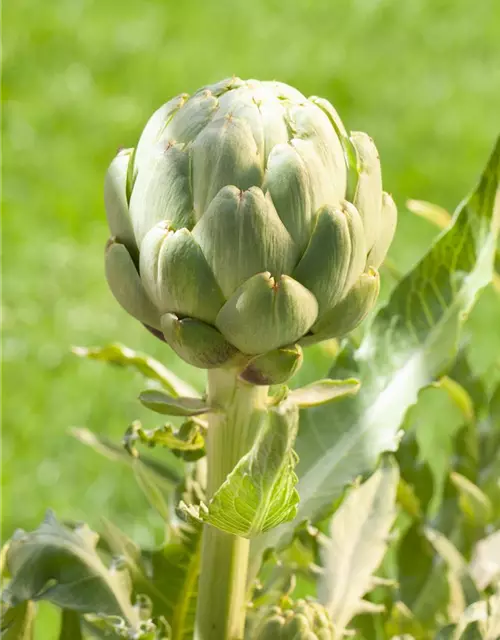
point(409, 343)
point(167, 476)
point(187, 439)
point(358, 539)
point(18, 623)
point(56, 564)
point(70, 626)
point(173, 406)
point(474, 504)
point(122, 356)
point(259, 493)
point(323, 392)
point(441, 218)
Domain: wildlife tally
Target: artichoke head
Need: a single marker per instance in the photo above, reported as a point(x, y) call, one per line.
point(303, 620)
point(246, 222)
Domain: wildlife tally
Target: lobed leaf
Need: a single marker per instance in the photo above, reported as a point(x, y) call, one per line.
point(259, 493)
point(359, 533)
point(61, 566)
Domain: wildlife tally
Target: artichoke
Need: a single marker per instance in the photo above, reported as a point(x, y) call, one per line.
point(245, 223)
point(303, 620)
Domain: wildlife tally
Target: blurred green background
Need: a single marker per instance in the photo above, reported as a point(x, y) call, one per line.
point(81, 77)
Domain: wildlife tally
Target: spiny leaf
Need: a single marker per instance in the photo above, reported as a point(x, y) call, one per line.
point(441, 218)
point(323, 392)
point(149, 367)
point(359, 534)
point(259, 494)
point(56, 564)
point(409, 343)
point(174, 406)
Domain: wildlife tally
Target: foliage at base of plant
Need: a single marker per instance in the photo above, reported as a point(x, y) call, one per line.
point(376, 518)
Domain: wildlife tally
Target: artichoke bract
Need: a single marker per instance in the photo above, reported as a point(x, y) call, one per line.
point(247, 221)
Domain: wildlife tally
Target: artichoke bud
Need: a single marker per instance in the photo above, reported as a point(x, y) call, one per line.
point(349, 312)
point(324, 267)
point(368, 196)
point(266, 313)
point(126, 285)
point(243, 223)
point(388, 222)
point(275, 367)
point(115, 201)
point(176, 274)
point(303, 620)
point(198, 343)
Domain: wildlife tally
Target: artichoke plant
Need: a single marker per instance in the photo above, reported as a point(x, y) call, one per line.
point(246, 222)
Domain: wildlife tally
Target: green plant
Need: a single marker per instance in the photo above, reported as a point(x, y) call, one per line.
point(253, 537)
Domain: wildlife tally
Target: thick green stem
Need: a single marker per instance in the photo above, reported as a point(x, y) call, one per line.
point(224, 561)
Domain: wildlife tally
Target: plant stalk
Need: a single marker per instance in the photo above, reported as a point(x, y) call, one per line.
point(221, 608)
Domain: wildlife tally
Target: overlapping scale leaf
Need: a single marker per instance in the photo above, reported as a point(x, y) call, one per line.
point(225, 153)
point(162, 192)
point(242, 235)
point(177, 276)
point(264, 314)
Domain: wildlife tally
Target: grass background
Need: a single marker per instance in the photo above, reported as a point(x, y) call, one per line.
point(80, 79)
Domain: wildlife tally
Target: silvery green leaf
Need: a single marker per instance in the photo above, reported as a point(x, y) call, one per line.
point(323, 392)
point(409, 343)
point(57, 564)
point(18, 622)
point(122, 356)
point(173, 406)
point(259, 493)
point(358, 539)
